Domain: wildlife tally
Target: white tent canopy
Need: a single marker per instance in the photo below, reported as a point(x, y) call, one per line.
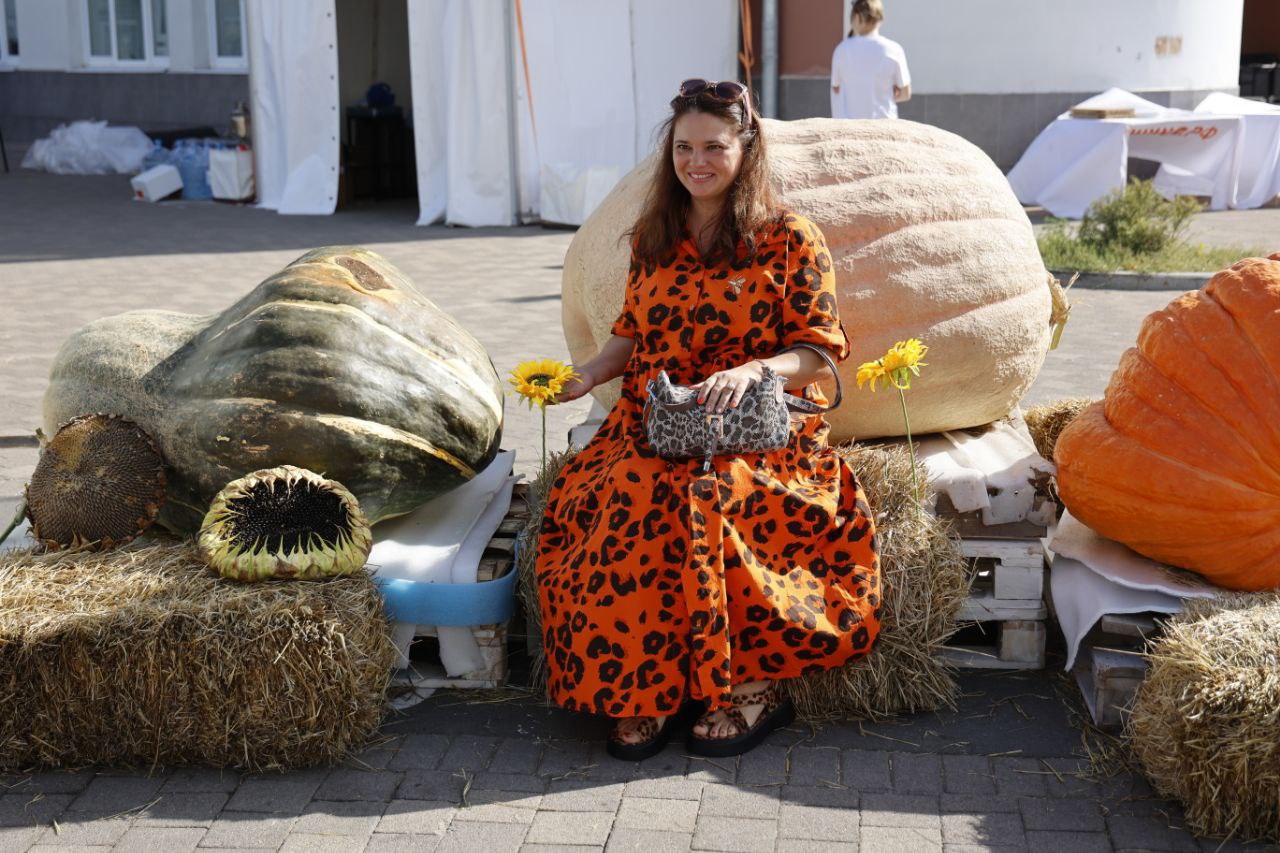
point(521, 109)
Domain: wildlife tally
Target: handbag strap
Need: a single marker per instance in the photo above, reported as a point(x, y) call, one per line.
point(808, 406)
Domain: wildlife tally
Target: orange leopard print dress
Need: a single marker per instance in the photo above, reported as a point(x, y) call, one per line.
point(659, 583)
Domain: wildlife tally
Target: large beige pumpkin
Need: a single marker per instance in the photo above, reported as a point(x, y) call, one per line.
point(928, 242)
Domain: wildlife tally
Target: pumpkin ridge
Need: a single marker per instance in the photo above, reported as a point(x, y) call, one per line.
point(1242, 393)
point(1273, 370)
point(1136, 389)
point(1173, 501)
point(1178, 463)
point(449, 365)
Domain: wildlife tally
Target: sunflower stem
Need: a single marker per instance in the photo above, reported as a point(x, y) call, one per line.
point(17, 519)
point(911, 448)
point(544, 436)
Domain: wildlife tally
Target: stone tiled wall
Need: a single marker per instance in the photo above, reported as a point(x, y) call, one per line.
point(1001, 125)
point(34, 102)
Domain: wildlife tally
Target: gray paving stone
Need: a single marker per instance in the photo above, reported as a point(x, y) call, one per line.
point(430, 785)
point(114, 794)
point(977, 803)
point(985, 848)
point(832, 797)
point(1071, 778)
point(968, 774)
point(148, 839)
point(818, 822)
point(561, 757)
point(1149, 834)
point(1061, 842)
point(304, 842)
point(577, 795)
point(1019, 777)
point(416, 817)
point(19, 837)
point(70, 848)
point(986, 829)
point(648, 841)
point(764, 765)
point(562, 848)
point(85, 831)
point(814, 765)
point(275, 794)
point(672, 761)
point(677, 816)
point(665, 788)
point(345, 783)
point(184, 810)
point(402, 843)
point(516, 755)
point(419, 752)
point(248, 829)
point(468, 752)
point(338, 817)
point(911, 839)
point(199, 780)
point(580, 827)
point(376, 756)
point(738, 834)
point(865, 769)
point(52, 782)
point(1077, 815)
point(515, 799)
point(525, 782)
point(495, 813)
point(901, 810)
point(32, 809)
point(914, 773)
point(717, 771)
point(734, 801)
point(806, 845)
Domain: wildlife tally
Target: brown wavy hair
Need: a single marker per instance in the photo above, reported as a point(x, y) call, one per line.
point(749, 207)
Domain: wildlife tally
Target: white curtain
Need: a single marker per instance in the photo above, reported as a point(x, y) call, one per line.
point(600, 76)
point(462, 130)
point(296, 118)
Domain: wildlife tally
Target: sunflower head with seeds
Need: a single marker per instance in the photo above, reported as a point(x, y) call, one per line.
point(540, 381)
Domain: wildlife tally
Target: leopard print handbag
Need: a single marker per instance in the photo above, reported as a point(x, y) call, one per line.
point(678, 427)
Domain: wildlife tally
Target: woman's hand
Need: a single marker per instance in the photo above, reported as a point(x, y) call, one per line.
point(578, 387)
point(724, 390)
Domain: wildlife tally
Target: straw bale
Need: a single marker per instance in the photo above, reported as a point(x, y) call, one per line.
point(1046, 422)
point(142, 657)
point(1206, 721)
point(925, 581)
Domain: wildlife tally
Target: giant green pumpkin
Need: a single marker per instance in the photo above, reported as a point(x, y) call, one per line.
point(336, 364)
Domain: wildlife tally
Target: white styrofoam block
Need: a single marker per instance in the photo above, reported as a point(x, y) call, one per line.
point(156, 183)
point(231, 174)
point(994, 472)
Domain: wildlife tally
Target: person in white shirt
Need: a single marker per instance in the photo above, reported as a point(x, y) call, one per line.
point(869, 75)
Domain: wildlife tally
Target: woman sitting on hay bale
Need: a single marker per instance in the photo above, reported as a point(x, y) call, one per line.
point(663, 587)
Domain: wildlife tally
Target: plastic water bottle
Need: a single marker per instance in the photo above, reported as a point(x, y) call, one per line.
point(192, 161)
point(157, 156)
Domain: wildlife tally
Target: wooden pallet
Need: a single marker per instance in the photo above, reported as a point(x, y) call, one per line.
point(1007, 599)
point(1110, 666)
point(497, 561)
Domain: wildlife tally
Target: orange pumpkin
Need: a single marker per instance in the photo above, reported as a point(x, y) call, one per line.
point(1181, 460)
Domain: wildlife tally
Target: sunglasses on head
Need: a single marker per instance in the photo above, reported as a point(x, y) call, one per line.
point(726, 91)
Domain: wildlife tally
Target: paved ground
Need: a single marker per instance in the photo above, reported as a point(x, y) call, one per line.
point(1004, 771)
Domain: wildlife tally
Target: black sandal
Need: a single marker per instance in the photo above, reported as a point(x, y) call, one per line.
point(658, 735)
point(776, 712)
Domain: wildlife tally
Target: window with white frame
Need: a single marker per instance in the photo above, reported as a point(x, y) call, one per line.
point(227, 43)
point(9, 33)
point(126, 33)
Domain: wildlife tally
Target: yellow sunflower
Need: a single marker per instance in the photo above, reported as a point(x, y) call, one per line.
point(540, 381)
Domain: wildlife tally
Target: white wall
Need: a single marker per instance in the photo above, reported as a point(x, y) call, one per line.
point(44, 34)
point(1007, 46)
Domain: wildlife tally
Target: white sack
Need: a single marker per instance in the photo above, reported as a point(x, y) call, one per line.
point(89, 148)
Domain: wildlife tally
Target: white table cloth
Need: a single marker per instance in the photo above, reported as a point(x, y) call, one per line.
point(1258, 179)
point(1074, 162)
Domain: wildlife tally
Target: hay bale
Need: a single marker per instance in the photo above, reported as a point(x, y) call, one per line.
point(1206, 722)
point(526, 564)
point(142, 657)
point(1046, 422)
point(926, 580)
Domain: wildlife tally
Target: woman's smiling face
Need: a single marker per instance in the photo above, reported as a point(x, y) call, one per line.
point(707, 155)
